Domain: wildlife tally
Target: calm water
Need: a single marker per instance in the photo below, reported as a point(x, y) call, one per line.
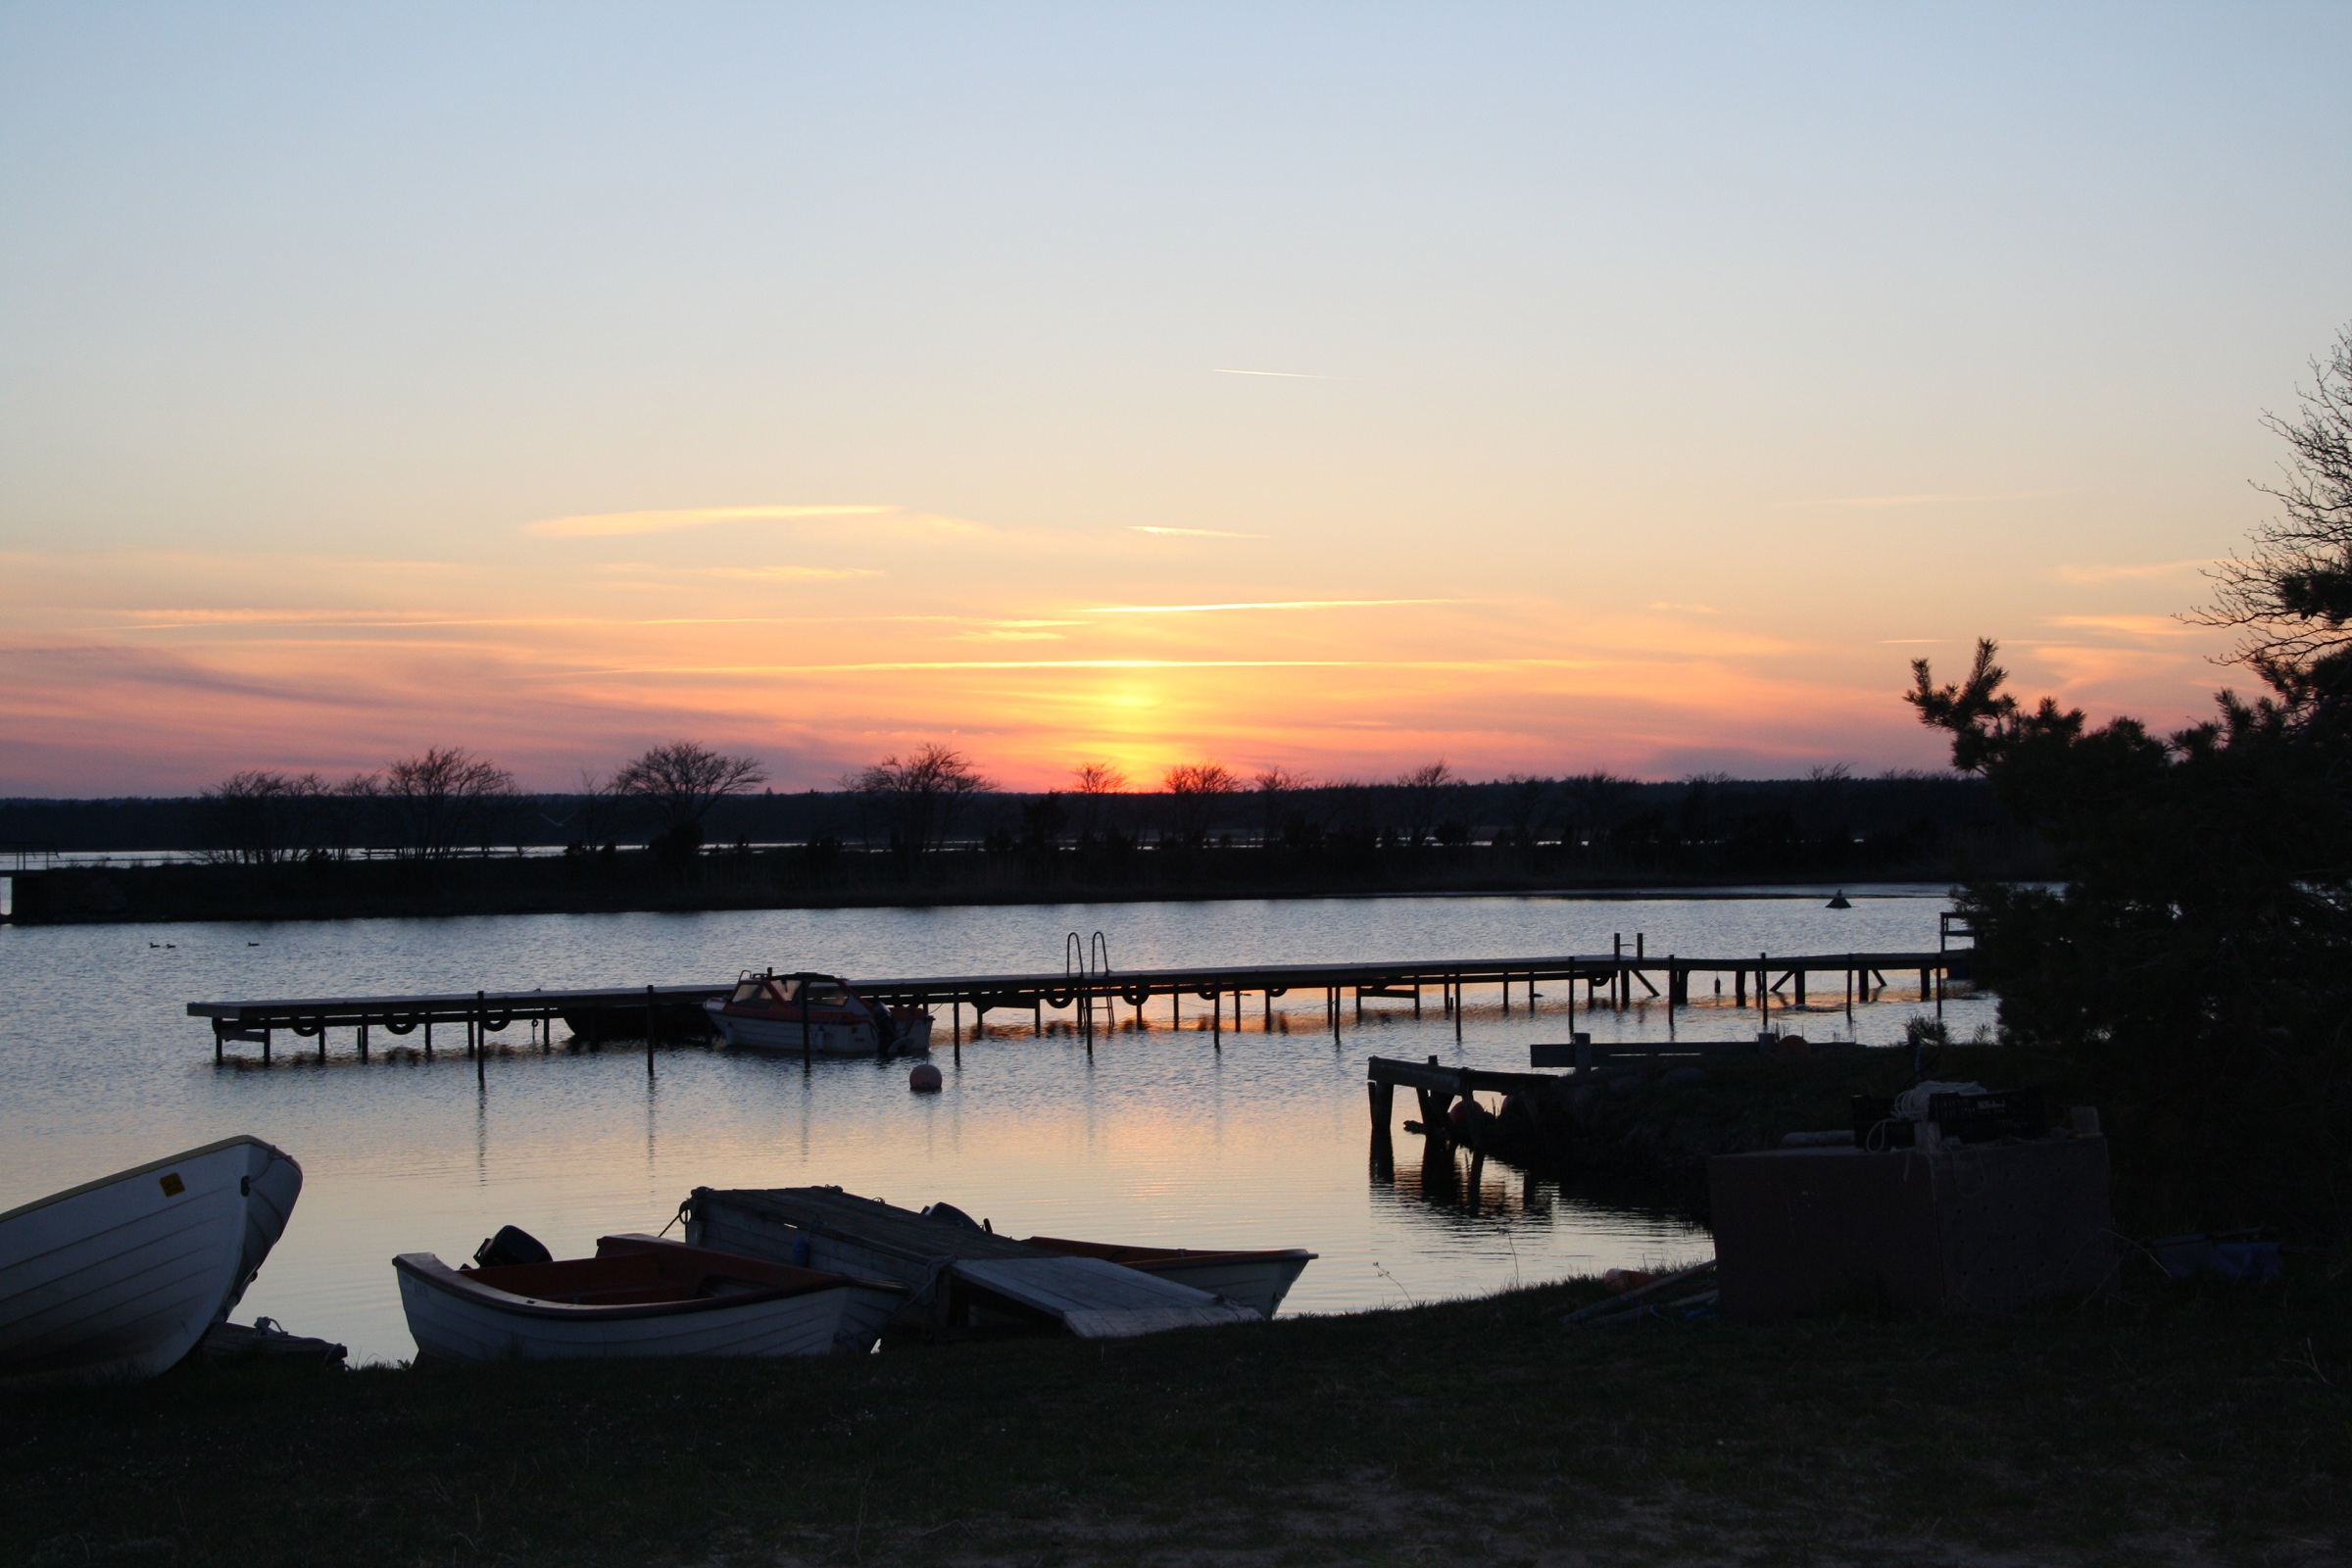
point(1157, 1139)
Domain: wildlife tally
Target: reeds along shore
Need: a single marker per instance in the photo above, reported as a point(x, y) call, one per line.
point(829, 873)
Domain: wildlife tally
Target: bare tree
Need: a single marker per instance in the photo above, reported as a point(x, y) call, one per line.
point(258, 817)
point(1274, 787)
point(1525, 800)
point(1095, 782)
point(1424, 795)
point(1592, 801)
point(595, 825)
point(1195, 789)
point(919, 796)
point(681, 782)
point(2291, 598)
point(1099, 778)
point(445, 799)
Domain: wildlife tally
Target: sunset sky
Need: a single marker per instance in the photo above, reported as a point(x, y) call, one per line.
point(1339, 386)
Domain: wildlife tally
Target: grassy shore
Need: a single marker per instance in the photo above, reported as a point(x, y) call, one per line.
point(2182, 1425)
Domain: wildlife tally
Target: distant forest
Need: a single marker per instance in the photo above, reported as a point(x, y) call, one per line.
point(1595, 816)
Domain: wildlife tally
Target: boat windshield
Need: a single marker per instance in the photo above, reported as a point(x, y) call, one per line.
point(819, 993)
point(747, 991)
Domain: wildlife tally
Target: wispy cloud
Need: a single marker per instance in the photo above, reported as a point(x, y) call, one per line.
point(1267, 603)
point(600, 524)
point(785, 573)
point(1197, 533)
point(2128, 625)
point(1287, 375)
point(1935, 498)
point(2112, 571)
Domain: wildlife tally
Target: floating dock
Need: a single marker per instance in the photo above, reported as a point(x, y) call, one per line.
point(1089, 993)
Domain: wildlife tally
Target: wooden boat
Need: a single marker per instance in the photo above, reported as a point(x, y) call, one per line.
point(118, 1278)
point(1258, 1277)
point(639, 1296)
point(963, 1277)
point(816, 1013)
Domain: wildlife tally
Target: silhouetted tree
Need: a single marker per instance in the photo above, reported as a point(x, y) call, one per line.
point(1423, 796)
point(1194, 790)
point(1276, 788)
point(444, 799)
point(1525, 800)
point(2291, 595)
point(681, 782)
point(259, 815)
point(1095, 782)
point(2197, 959)
point(919, 796)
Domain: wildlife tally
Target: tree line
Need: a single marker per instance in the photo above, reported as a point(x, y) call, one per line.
point(449, 799)
point(685, 797)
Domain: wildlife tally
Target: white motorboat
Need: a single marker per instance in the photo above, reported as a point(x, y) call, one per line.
point(639, 1296)
point(818, 1014)
point(1256, 1278)
point(118, 1278)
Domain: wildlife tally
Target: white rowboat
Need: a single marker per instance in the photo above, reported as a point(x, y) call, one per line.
point(116, 1279)
point(639, 1296)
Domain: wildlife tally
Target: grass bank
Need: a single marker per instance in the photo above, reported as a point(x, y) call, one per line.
point(2205, 1424)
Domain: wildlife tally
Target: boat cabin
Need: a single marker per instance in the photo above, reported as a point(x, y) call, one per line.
point(786, 991)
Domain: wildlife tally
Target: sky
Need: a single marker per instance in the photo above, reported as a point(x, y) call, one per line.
point(1344, 387)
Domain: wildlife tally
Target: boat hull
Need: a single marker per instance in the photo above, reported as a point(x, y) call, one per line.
point(1254, 1282)
point(1258, 1278)
point(462, 1316)
point(824, 1039)
point(119, 1279)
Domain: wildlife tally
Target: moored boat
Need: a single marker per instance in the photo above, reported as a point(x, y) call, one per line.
point(639, 1296)
point(1256, 1278)
point(118, 1278)
point(816, 1013)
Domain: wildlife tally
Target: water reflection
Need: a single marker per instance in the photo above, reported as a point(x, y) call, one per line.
point(1168, 1131)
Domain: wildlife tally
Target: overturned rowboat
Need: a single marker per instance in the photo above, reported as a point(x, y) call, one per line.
point(1256, 1278)
point(963, 1277)
point(118, 1278)
point(639, 1296)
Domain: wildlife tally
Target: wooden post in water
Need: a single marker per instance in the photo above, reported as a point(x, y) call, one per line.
point(648, 1031)
point(1216, 1018)
point(1384, 1104)
point(1739, 988)
point(428, 1038)
point(481, 1043)
point(808, 1051)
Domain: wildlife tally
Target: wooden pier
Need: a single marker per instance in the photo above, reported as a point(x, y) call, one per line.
point(1088, 993)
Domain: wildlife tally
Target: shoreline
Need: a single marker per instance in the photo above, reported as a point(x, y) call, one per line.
point(640, 883)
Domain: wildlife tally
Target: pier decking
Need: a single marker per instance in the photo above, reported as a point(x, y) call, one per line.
point(1087, 992)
